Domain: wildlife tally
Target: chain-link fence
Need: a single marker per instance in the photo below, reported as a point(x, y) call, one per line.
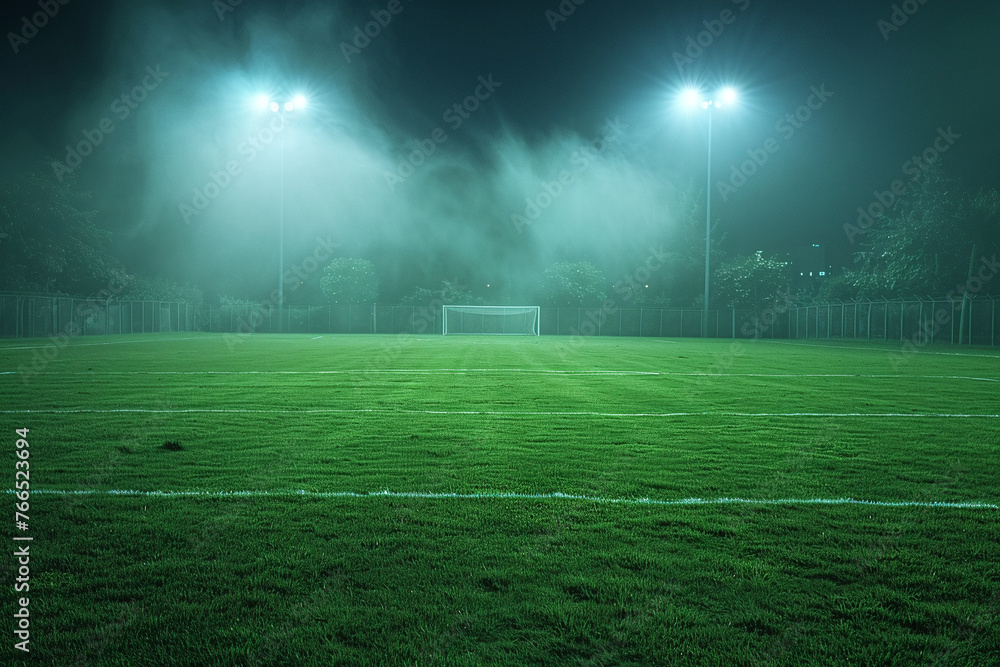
point(28, 316)
point(955, 321)
point(361, 319)
point(916, 320)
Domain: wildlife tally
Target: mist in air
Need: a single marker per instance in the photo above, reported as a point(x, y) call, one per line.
point(193, 172)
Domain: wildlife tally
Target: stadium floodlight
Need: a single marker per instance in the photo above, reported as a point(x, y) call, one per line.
point(490, 320)
point(692, 97)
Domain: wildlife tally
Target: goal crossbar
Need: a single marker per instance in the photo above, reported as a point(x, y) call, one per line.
point(490, 320)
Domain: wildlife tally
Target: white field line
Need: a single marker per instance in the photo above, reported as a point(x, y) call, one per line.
point(877, 349)
point(499, 413)
point(463, 371)
point(407, 371)
point(524, 496)
point(117, 342)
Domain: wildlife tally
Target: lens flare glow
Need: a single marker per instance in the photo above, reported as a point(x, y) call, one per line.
point(691, 97)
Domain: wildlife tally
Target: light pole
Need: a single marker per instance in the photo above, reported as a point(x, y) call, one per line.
point(284, 107)
point(693, 98)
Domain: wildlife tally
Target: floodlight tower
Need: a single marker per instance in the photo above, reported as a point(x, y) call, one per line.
point(284, 107)
point(692, 97)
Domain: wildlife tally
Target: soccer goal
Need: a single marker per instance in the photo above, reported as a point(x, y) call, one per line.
point(491, 320)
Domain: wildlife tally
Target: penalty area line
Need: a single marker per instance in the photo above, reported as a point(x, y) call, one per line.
point(522, 496)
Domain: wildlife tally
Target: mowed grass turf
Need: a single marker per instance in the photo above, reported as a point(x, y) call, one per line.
point(505, 573)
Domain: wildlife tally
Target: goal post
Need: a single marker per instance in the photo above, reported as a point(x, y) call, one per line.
point(490, 320)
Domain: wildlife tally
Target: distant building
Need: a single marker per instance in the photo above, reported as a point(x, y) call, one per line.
point(808, 267)
point(809, 261)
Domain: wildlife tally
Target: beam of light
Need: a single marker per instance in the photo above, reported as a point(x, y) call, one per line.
point(300, 101)
point(261, 101)
point(274, 106)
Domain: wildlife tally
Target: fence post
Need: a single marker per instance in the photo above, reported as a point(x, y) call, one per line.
point(970, 318)
point(902, 311)
point(920, 316)
point(951, 310)
point(932, 319)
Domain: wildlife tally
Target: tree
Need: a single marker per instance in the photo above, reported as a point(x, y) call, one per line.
point(573, 284)
point(922, 245)
point(160, 289)
point(450, 292)
point(350, 280)
point(681, 281)
point(50, 238)
point(745, 281)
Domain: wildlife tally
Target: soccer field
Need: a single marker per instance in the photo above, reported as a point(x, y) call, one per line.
point(378, 500)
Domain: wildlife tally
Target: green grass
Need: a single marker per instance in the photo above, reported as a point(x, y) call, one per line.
point(519, 580)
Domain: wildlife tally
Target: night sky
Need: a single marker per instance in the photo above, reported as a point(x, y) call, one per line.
point(556, 78)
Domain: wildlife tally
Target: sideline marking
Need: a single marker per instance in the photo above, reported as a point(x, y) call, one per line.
point(527, 496)
point(513, 413)
point(879, 349)
point(117, 342)
point(462, 371)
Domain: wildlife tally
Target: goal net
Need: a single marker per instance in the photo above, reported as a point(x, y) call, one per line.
point(491, 320)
